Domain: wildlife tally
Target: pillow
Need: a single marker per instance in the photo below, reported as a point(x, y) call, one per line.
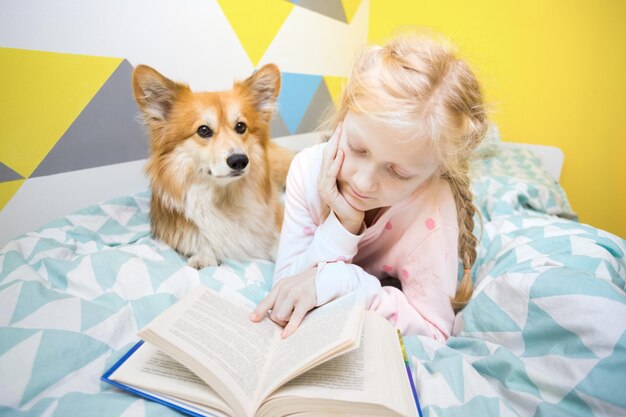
point(508, 178)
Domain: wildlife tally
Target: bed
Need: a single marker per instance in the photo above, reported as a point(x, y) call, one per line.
point(543, 335)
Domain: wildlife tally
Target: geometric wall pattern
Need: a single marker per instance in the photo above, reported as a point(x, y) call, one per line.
point(44, 95)
point(106, 125)
point(107, 131)
point(341, 10)
point(255, 24)
point(7, 174)
point(66, 102)
point(302, 102)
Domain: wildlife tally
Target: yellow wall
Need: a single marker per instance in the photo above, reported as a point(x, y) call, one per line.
point(554, 72)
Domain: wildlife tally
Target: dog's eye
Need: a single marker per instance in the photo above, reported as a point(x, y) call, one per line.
point(204, 131)
point(241, 128)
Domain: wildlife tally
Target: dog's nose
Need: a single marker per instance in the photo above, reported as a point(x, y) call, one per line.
point(237, 161)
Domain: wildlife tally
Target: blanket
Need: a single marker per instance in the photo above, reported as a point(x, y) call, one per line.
point(544, 333)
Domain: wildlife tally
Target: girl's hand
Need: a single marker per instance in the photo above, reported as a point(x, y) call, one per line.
point(332, 160)
point(289, 301)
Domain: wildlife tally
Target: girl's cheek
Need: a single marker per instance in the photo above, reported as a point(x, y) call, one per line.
point(392, 192)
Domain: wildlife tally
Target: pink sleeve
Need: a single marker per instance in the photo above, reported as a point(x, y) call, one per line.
point(303, 244)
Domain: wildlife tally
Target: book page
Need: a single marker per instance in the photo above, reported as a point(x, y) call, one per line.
point(371, 380)
point(216, 339)
point(343, 372)
point(153, 371)
point(324, 333)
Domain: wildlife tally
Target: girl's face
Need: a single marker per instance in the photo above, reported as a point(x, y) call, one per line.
point(382, 165)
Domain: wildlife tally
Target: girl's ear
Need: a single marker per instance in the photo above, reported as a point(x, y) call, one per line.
point(154, 93)
point(264, 86)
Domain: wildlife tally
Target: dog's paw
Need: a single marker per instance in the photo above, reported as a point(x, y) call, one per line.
point(201, 260)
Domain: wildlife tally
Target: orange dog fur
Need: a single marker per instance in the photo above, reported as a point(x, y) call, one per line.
point(213, 171)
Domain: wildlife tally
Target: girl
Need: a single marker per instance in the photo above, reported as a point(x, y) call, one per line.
point(385, 205)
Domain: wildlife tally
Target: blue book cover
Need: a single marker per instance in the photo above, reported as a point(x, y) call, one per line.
point(189, 409)
point(161, 399)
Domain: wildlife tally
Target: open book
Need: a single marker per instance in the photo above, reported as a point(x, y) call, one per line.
point(203, 356)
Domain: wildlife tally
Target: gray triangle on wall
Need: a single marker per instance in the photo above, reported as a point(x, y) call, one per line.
point(316, 111)
point(7, 174)
point(278, 127)
point(329, 8)
point(106, 132)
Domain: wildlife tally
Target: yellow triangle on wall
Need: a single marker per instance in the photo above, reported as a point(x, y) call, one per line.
point(335, 87)
point(42, 94)
point(350, 7)
point(8, 190)
point(256, 23)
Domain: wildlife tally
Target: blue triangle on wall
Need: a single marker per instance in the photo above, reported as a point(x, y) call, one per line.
point(295, 96)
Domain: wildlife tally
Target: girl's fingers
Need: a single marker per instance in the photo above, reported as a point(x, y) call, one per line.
point(342, 135)
point(335, 167)
point(334, 139)
point(265, 305)
point(280, 323)
point(294, 321)
point(333, 144)
point(331, 165)
point(331, 149)
point(281, 317)
point(283, 308)
point(328, 183)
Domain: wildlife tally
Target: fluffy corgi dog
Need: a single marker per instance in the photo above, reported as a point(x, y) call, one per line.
point(213, 171)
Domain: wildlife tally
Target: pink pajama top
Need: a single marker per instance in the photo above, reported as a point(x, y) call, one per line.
point(414, 241)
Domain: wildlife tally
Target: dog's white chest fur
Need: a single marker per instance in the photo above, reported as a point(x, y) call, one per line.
point(241, 231)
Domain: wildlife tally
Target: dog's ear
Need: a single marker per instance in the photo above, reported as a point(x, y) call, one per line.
point(154, 93)
point(264, 86)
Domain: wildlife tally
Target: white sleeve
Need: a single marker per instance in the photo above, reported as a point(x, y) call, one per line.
point(304, 244)
point(334, 279)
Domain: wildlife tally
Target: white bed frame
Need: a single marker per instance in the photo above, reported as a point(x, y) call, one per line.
point(42, 199)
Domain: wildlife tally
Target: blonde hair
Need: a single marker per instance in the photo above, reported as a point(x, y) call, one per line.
point(417, 82)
